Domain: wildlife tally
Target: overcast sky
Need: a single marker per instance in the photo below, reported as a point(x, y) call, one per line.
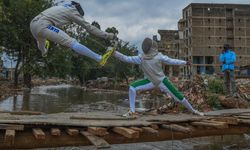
point(137, 19)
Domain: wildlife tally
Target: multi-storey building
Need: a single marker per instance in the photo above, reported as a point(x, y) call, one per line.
point(205, 28)
point(169, 45)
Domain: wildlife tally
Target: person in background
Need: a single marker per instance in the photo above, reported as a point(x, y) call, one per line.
point(46, 26)
point(151, 64)
point(228, 59)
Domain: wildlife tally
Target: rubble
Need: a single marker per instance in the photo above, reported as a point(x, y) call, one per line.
point(201, 97)
point(243, 88)
point(7, 89)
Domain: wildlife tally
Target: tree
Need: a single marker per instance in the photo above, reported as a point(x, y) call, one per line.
point(16, 36)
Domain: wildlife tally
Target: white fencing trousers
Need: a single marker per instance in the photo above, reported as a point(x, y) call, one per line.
point(165, 86)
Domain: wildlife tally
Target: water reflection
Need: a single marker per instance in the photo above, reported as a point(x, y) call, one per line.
point(53, 99)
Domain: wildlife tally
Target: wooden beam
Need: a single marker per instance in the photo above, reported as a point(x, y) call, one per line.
point(95, 140)
point(177, 128)
point(38, 133)
point(217, 122)
point(129, 133)
point(12, 127)
point(99, 131)
point(9, 137)
point(150, 130)
point(244, 121)
point(228, 120)
point(25, 113)
point(55, 132)
point(72, 132)
point(137, 129)
point(100, 118)
point(243, 117)
point(210, 124)
point(154, 126)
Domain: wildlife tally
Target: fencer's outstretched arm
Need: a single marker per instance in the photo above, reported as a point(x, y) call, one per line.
point(166, 60)
point(77, 18)
point(128, 59)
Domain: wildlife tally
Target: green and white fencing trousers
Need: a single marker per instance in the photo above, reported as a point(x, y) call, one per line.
point(165, 86)
point(43, 30)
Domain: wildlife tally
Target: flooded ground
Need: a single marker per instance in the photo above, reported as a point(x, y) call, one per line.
point(63, 98)
point(67, 98)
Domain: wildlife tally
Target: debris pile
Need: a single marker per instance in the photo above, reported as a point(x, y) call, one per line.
point(201, 97)
point(243, 88)
point(7, 89)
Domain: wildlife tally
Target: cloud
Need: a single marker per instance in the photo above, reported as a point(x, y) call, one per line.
point(136, 19)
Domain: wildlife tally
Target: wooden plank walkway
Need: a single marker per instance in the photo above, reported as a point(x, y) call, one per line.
point(104, 129)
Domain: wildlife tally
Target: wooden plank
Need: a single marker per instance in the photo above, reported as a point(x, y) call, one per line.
point(11, 127)
point(129, 133)
point(98, 131)
point(243, 117)
point(72, 132)
point(244, 121)
point(228, 120)
point(245, 114)
point(137, 129)
point(95, 140)
point(38, 133)
point(210, 124)
point(216, 122)
point(154, 126)
point(100, 118)
point(55, 132)
point(25, 113)
point(177, 128)
point(9, 137)
point(150, 130)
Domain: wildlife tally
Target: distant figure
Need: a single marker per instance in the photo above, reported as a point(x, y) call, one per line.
point(46, 26)
point(228, 58)
point(151, 64)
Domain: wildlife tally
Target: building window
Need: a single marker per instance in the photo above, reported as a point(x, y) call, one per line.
point(208, 20)
point(239, 29)
point(239, 20)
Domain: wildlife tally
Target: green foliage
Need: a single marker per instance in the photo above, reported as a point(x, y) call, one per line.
point(17, 40)
point(212, 100)
point(215, 86)
point(15, 33)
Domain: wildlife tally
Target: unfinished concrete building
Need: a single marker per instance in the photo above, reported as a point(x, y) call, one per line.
point(169, 45)
point(205, 29)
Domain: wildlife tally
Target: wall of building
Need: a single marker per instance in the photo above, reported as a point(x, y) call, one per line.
point(207, 27)
point(169, 45)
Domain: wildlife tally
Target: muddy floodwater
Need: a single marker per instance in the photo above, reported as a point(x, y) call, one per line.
point(67, 98)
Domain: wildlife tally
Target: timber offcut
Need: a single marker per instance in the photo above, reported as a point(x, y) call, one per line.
point(104, 129)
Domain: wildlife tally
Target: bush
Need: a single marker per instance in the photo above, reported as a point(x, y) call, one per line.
point(212, 100)
point(215, 86)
